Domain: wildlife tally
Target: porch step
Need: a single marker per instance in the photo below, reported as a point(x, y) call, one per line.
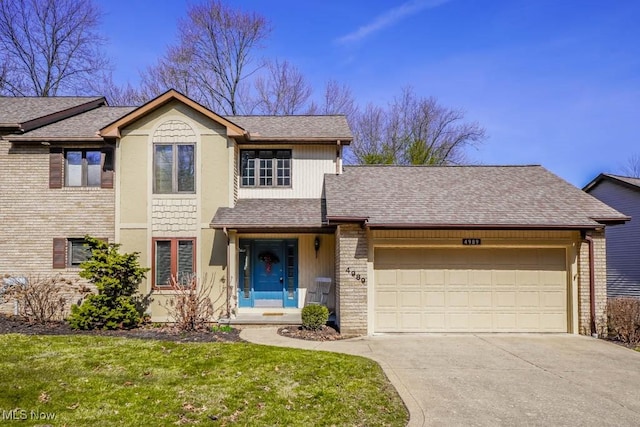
point(268, 318)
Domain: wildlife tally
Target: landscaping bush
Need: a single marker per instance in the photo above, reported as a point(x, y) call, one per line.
point(116, 276)
point(40, 299)
point(190, 307)
point(623, 319)
point(314, 316)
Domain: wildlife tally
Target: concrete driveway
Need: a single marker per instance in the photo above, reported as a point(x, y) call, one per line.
point(491, 379)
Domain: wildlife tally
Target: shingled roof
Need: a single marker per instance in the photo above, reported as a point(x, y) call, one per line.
point(627, 181)
point(271, 214)
point(294, 128)
point(466, 196)
point(84, 126)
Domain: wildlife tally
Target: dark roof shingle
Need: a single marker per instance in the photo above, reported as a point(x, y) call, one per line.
point(83, 125)
point(271, 213)
point(24, 109)
point(458, 196)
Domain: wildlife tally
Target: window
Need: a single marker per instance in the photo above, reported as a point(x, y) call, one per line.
point(265, 168)
point(79, 167)
point(173, 168)
point(70, 252)
point(173, 258)
point(77, 251)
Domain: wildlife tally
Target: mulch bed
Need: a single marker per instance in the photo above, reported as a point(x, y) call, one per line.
point(326, 333)
point(16, 325)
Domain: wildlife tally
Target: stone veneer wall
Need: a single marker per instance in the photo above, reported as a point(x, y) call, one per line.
point(600, 264)
point(351, 293)
point(32, 214)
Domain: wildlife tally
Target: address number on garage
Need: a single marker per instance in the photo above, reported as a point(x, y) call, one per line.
point(471, 242)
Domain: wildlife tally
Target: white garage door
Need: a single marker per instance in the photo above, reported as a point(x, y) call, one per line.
point(470, 290)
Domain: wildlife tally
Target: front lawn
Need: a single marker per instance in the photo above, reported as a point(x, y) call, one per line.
point(87, 380)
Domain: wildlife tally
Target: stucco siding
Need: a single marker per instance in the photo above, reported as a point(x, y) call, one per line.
point(308, 165)
point(623, 241)
point(146, 215)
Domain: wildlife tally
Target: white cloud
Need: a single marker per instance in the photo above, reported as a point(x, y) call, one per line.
point(389, 18)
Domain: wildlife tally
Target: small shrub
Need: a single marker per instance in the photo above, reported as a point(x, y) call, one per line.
point(40, 299)
point(116, 276)
point(314, 317)
point(190, 306)
point(221, 328)
point(623, 319)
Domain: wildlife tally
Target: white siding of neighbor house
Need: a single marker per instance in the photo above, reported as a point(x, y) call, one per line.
point(623, 241)
point(308, 165)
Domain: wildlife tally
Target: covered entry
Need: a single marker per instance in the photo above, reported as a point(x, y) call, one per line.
point(268, 273)
point(470, 290)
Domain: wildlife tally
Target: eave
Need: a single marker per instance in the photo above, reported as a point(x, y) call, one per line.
point(113, 129)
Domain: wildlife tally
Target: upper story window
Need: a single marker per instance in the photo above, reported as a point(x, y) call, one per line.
point(265, 168)
point(81, 167)
point(174, 168)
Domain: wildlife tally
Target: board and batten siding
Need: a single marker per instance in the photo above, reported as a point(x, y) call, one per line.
point(309, 163)
point(623, 241)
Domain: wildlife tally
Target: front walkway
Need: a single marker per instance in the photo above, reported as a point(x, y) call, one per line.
point(498, 379)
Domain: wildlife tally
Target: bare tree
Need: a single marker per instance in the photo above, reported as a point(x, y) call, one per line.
point(413, 130)
point(632, 166)
point(117, 95)
point(213, 56)
point(50, 47)
point(282, 90)
point(337, 99)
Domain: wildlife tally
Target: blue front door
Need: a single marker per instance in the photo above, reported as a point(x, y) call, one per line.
point(268, 273)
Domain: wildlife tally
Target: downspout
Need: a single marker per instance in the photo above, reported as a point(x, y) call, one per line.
point(339, 157)
point(592, 286)
point(226, 233)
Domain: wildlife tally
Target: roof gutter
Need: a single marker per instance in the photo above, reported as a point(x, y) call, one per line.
point(483, 226)
point(54, 139)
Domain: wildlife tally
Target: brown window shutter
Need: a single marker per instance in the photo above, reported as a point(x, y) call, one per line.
point(106, 180)
point(59, 252)
point(56, 161)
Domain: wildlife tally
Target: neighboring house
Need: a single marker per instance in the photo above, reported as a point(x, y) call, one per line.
point(623, 241)
point(262, 209)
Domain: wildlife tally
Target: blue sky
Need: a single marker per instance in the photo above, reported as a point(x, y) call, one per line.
point(554, 82)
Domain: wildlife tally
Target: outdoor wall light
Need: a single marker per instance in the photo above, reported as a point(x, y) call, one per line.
point(316, 245)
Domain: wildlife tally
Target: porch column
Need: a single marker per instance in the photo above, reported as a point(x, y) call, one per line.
point(351, 279)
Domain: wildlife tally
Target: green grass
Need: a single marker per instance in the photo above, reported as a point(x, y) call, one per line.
point(86, 380)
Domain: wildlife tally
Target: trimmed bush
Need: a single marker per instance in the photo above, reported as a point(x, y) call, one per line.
point(314, 317)
point(623, 319)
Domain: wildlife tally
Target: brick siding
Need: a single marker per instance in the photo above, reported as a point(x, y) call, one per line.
point(32, 215)
point(351, 294)
point(600, 264)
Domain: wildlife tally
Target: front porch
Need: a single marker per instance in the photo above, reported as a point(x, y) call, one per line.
point(274, 276)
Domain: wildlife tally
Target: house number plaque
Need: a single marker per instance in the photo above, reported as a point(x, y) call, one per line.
point(356, 275)
point(471, 242)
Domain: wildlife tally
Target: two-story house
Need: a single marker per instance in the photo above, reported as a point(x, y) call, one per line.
point(264, 211)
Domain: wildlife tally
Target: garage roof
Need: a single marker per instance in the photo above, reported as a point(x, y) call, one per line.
point(462, 196)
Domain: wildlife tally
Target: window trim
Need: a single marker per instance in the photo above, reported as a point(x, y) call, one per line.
point(61, 255)
point(174, 167)
point(174, 258)
point(257, 168)
point(70, 242)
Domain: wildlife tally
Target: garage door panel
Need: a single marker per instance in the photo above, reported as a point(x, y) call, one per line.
point(433, 299)
point(481, 299)
point(408, 277)
point(410, 299)
point(528, 299)
point(433, 278)
point(470, 289)
point(387, 299)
